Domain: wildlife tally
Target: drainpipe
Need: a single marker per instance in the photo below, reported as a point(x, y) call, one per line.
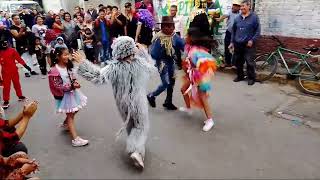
point(253, 2)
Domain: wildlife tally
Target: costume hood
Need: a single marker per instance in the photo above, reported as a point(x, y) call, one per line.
point(123, 47)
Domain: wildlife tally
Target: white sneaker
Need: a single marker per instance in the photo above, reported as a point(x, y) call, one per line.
point(186, 110)
point(77, 142)
point(137, 160)
point(208, 125)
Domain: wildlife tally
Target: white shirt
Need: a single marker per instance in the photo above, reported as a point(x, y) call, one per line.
point(178, 24)
point(39, 31)
point(64, 74)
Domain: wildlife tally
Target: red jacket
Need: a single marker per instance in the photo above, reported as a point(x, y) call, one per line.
point(8, 135)
point(56, 83)
point(8, 60)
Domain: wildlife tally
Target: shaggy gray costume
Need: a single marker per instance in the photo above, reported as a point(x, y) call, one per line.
point(129, 81)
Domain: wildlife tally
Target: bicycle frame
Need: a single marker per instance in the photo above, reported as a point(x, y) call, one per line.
point(295, 71)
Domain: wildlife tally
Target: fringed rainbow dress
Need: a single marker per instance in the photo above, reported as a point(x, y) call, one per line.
point(199, 67)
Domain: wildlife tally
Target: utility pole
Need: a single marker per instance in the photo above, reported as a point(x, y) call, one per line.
point(82, 4)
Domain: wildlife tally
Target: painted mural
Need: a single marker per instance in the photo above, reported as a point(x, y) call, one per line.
point(187, 9)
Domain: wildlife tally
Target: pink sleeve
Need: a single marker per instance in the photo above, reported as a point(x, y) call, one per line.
point(56, 83)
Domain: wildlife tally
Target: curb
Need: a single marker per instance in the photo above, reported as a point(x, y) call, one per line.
point(279, 78)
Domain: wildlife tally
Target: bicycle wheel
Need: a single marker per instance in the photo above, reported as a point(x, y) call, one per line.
point(266, 67)
point(308, 81)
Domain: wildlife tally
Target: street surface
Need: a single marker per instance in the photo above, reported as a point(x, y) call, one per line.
point(249, 141)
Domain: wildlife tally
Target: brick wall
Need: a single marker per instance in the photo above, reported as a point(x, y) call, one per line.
point(266, 44)
point(296, 22)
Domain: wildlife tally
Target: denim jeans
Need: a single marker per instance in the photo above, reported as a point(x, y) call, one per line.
point(167, 76)
point(103, 51)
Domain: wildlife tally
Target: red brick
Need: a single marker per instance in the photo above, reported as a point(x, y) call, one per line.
point(266, 44)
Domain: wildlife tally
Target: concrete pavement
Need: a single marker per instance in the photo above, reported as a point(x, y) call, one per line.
point(247, 142)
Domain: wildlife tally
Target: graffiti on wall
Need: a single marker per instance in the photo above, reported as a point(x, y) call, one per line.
point(184, 7)
point(187, 7)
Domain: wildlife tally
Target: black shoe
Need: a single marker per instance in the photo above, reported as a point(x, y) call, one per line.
point(27, 75)
point(22, 98)
point(34, 73)
point(152, 101)
point(238, 79)
point(251, 82)
point(170, 106)
point(5, 105)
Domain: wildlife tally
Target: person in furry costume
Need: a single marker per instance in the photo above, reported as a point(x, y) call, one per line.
point(128, 75)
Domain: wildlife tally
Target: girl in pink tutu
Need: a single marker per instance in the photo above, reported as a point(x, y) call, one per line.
point(65, 89)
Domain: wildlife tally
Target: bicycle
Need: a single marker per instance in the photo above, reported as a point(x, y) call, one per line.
point(306, 67)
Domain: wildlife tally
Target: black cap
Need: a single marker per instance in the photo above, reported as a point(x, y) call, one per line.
point(127, 4)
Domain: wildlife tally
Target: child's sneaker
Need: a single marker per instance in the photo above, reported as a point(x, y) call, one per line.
point(34, 73)
point(78, 142)
point(6, 105)
point(137, 160)
point(22, 98)
point(186, 110)
point(208, 125)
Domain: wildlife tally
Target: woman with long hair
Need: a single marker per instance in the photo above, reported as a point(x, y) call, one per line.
point(57, 25)
point(39, 29)
point(69, 28)
point(199, 67)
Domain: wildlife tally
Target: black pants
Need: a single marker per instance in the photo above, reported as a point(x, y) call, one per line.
point(43, 65)
point(227, 54)
point(14, 148)
point(243, 54)
point(90, 54)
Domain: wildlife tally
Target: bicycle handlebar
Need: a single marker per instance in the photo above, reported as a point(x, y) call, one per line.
point(278, 41)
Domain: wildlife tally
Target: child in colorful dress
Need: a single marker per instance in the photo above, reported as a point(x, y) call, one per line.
point(65, 89)
point(199, 67)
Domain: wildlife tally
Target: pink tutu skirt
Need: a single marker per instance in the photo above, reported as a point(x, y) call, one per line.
point(71, 102)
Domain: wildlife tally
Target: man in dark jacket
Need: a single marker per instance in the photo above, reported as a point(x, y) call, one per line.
point(245, 33)
point(92, 12)
point(27, 17)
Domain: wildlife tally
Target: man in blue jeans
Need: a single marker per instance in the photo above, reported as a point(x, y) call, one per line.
point(101, 29)
point(165, 44)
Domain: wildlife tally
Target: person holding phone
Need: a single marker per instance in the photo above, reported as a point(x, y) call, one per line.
point(118, 23)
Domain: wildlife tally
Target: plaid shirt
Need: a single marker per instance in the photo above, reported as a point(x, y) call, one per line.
point(8, 135)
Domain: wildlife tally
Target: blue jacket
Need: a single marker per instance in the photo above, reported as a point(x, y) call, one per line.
point(246, 29)
point(158, 52)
